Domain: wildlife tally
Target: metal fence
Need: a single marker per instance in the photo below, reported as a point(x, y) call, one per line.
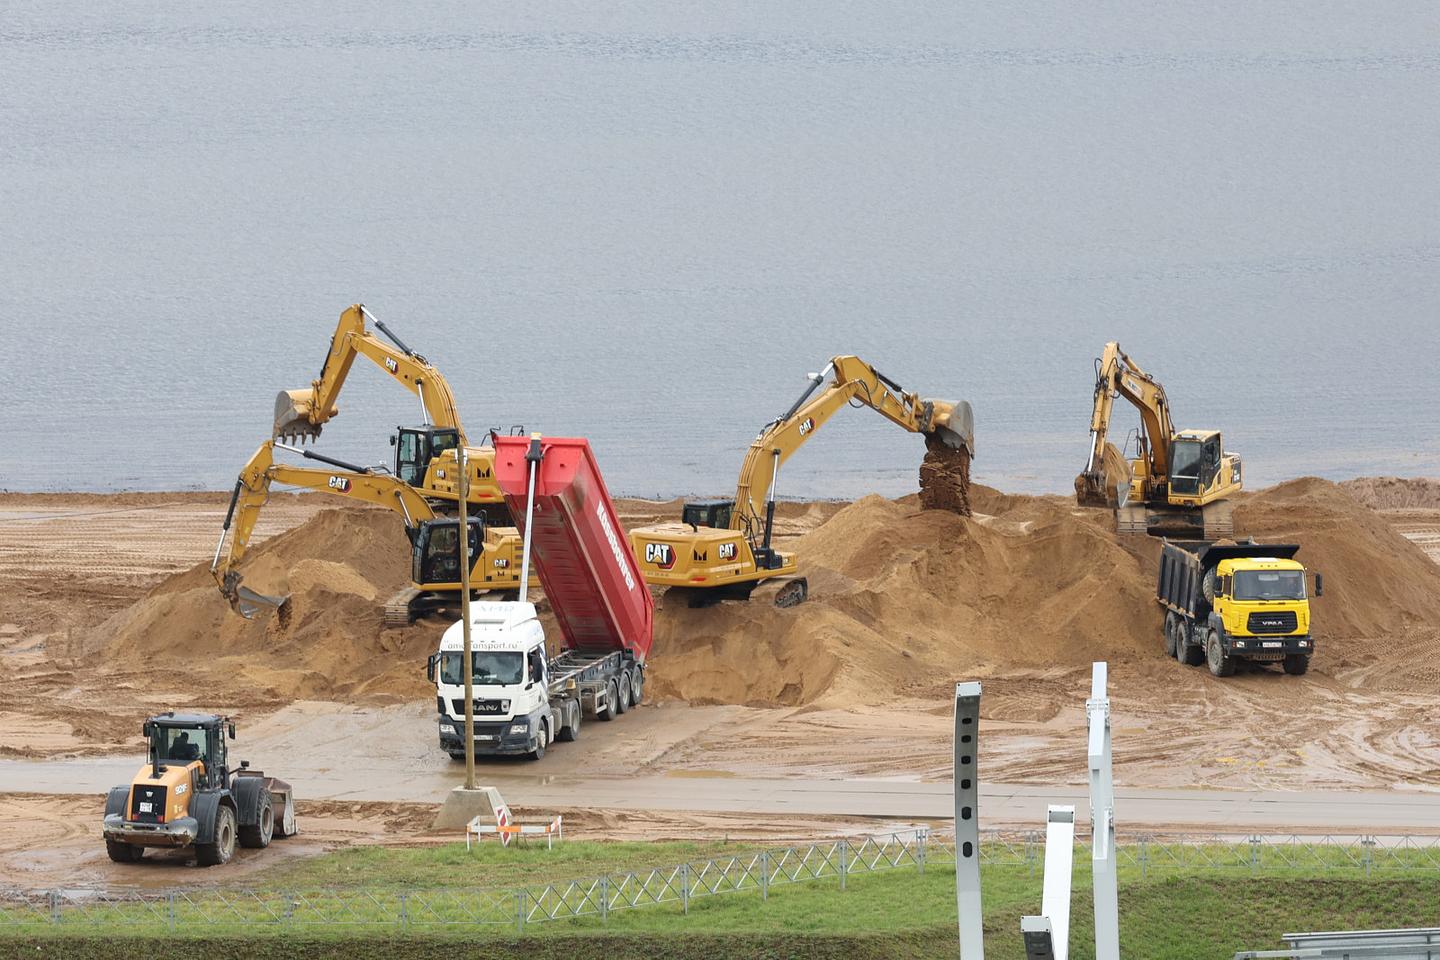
point(680, 885)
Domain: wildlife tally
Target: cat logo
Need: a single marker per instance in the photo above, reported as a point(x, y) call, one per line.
point(340, 484)
point(807, 425)
point(660, 554)
point(500, 564)
point(726, 551)
point(392, 366)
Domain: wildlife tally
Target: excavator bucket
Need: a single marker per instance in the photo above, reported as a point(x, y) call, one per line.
point(1108, 485)
point(293, 409)
point(248, 603)
point(953, 424)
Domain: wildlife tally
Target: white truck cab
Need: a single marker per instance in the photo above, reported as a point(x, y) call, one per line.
point(509, 677)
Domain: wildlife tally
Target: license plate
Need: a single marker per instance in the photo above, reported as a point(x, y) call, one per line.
point(1274, 643)
point(483, 736)
point(146, 808)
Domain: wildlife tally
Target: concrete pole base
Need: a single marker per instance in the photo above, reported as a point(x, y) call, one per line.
point(462, 805)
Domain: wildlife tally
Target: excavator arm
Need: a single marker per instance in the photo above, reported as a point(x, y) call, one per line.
point(1106, 479)
point(853, 382)
point(300, 414)
point(252, 491)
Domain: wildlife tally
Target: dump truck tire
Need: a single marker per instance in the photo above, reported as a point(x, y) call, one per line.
point(1220, 665)
point(257, 835)
point(541, 740)
point(222, 847)
point(569, 731)
point(1170, 639)
point(637, 686)
point(1296, 664)
point(622, 702)
point(123, 852)
point(1207, 585)
point(612, 694)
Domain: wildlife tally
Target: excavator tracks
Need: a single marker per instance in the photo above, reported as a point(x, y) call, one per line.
point(398, 609)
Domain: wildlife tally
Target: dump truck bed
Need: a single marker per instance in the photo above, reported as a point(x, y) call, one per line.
point(1183, 564)
point(578, 548)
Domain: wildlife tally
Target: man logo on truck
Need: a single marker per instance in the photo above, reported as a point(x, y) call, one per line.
point(660, 554)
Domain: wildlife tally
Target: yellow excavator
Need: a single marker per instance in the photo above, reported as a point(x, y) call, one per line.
point(426, 456)
point(1179, 482)
point(724, 549)
point(434, 539)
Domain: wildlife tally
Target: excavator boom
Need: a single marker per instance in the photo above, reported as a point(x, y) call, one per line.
point(1107, 477)
point(301, 414)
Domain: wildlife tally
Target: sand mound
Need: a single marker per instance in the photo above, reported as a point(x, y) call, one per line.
point(329, 644)
point(1395, 493)
point(1377, 583)
point(903, 600)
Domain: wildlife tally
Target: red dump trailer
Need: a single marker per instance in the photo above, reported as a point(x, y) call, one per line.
point(577, 546)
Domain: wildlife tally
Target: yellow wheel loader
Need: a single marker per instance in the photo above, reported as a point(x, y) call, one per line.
point(188, 795)
point(1179, 482)
point(724, 549)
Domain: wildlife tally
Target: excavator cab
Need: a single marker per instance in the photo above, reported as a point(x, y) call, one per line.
point(415, 447)
point(1194, 461)
point(435, 557)
point(707, 513)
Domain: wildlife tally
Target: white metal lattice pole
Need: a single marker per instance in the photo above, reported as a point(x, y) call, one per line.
point(1102, 819)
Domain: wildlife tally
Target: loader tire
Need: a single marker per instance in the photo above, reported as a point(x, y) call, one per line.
point(258, 835)
point(123, 852)
point(1296, 664)
point(222, 847)
point(1220, 665)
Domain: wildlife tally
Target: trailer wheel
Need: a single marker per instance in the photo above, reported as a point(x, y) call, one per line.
point(1296, 664)
point(1220, 665)
point(223, 847)
point(611, 696)
point(122, 852)
point(622, 702)
point(1170, 640)
point(570, 730)
point(637, 686)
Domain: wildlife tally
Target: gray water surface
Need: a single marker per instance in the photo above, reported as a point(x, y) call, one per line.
point(645, 223)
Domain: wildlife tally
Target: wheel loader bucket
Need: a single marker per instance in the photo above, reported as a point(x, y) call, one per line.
point(1108, 485)
point(953, 424)
point(293, 409)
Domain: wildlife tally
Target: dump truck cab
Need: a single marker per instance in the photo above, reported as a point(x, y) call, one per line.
point(1226, 602)
point(186, 794)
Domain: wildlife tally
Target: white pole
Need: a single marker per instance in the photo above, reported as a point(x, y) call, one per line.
point(466, 668)
point(534, 457)
point(967, 821)
point(1102, 819)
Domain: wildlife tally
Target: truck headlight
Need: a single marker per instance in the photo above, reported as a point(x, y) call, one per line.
point(447, 728)
point(520, 726)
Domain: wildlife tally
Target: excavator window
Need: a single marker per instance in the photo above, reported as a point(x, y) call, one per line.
point(416, 447)
point(1186, 467)
point(439, 547)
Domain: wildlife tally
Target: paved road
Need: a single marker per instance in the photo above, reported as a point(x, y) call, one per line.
point(1001, 805)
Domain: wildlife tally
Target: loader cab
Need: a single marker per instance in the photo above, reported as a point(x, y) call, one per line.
point(415, 447)
point(1195, 457)
point(180, 739)
point(707, 513)
point(435, 555)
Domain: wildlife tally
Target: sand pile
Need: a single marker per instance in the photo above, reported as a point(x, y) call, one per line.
point(945, 478)
point(903, 600)
point(1395, 493)
point(1377, 583)
point(338, 568)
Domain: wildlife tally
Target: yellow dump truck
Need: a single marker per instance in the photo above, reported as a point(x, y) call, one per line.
point(1226, 602)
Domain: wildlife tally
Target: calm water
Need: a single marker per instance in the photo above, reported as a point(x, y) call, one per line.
point(646, 222)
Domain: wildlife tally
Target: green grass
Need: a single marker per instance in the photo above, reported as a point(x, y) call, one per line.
point(1175, 911)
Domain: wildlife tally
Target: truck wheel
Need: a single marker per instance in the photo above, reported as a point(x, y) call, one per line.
point(637, 686)
point(570, 729)
point(1207, 585)
point(611, 696)
point(222, 848)
point(1220, 665)
point(622, 702)
point(541, 737)
point(122, 852)
point(1296, 664)
point(1170, 641)
point(258, 835)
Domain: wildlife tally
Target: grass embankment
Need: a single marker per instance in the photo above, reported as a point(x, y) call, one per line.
point(1179, 912)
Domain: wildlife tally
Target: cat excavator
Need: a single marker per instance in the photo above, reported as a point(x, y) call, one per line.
point(1178, 484)
point(725, 549)
point(434, 539)
point(426, 456)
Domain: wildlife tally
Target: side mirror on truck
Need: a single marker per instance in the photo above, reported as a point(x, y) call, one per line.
point(430, 662)
point(1319, 585)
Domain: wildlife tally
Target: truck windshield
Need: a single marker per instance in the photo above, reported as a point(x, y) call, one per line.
point(1269, 585)
point(488, 668)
